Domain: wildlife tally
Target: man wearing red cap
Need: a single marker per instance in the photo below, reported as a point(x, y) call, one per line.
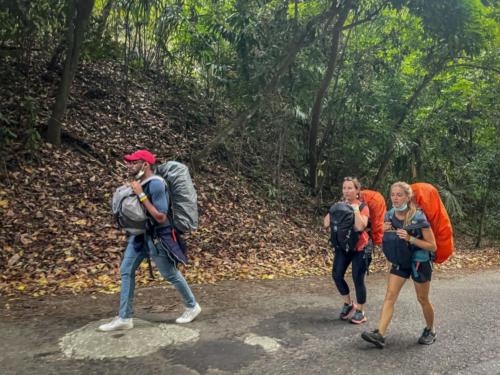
point(155, 199)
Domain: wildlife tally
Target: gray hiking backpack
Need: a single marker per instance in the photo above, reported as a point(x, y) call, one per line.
point(183, 198)
point(129, 213)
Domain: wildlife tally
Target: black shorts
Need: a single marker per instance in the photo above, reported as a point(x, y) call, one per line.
point(424, 270)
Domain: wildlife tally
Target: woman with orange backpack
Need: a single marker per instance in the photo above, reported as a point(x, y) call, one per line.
point(408, 244)
point(347, 221)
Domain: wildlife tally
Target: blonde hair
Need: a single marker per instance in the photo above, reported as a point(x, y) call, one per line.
point(355, 181)
point(412, 207)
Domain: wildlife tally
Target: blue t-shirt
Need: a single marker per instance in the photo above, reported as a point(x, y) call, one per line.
point(157, 194)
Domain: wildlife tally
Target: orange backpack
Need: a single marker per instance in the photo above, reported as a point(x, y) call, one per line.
point(427, 198)
point(376, 204)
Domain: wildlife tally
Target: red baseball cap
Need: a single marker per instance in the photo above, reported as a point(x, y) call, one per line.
point(141, 155)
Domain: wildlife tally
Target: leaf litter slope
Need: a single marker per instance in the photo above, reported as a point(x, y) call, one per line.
point(57, 233)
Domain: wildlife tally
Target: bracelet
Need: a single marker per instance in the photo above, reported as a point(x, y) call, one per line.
point(412, 240)
point(143, 198)
point(356, 209)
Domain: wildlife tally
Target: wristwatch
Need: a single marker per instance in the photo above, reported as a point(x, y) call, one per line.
point(142, 195)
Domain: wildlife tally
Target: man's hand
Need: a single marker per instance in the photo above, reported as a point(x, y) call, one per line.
point(136, 187)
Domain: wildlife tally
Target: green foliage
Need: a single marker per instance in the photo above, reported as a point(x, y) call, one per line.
point(30, 24)
point(418, 77)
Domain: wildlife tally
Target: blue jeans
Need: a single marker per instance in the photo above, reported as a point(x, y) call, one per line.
point(166, 266)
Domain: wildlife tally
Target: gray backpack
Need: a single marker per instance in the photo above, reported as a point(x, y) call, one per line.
point(183, 198)
point(129, 213)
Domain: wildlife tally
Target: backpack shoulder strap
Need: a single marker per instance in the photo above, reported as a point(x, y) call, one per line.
point(153, 177)
point(417, 222)
point(392, 218)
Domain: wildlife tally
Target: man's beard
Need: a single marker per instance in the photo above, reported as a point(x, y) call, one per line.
point(139, 174)
point(136, 174)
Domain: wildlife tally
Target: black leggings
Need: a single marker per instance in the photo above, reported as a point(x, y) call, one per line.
point(340, 264)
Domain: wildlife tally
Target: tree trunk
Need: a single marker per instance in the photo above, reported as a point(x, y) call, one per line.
point(127, 51)
point(106, 11)
point(293, 48)
point(79, 15)
point(480, 228)
point(323, 87)
point(280, 152)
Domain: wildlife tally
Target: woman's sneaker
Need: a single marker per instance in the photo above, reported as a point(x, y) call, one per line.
point(428, 337)
point(358, 317)
point(347, 310)
point(375, 338)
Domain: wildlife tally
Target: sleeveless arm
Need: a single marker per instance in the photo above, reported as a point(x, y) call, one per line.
point(326, 221)
point(428, 242)
point(361, 219)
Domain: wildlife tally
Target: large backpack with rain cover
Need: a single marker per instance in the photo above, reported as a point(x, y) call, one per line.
point(343, 235)
point(376, 203)
point(375, 228)
point(428, 199)
point(183, 197)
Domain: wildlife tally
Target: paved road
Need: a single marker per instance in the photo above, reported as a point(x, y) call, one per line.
point(258, 327)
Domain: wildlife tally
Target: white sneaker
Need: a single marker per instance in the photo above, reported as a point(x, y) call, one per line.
point(189, 315)
point(116, 324)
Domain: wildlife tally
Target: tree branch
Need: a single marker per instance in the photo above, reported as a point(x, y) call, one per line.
point(368, 18)
point(480, 67)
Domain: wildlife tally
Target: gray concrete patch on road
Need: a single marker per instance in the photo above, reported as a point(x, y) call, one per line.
point(292, 327)
point(269, 344)
point(145, 338)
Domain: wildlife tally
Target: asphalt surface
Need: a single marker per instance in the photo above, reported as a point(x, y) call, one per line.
point(257, 327)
